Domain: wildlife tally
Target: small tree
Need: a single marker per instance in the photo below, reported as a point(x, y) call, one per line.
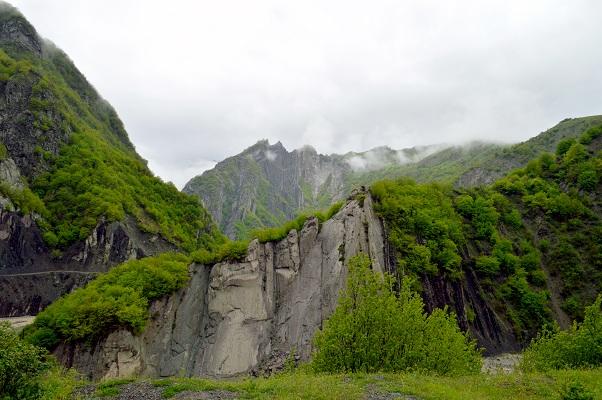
point(20, 365)
point(374, 329)
point(578, 347)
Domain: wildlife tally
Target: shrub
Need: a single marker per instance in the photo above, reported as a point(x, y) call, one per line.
point(421, 216)
point(564, 146)
point(280, 232)
point(373, 329)
point(578, 347)
point(119, 297)
point(487, 265)
point(575, 391)
point(229, 251)
point(20, 365)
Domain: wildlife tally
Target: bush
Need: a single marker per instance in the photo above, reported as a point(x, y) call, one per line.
point(373, 329)
point(119, 297)
point(487, 265)
point(420, 216)
point(229, 251)
point(578, 347)
point(20, 365)
point(280, 232)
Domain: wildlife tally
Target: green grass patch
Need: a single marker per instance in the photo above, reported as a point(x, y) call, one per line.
point(120, 297)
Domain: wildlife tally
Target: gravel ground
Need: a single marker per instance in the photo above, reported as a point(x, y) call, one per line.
point(501, 364)
point(374, 394)
point(146, 391)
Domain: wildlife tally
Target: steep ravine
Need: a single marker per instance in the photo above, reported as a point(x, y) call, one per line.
point(238, 317)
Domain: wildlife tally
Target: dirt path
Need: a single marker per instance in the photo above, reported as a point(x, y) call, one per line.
point(52, 272)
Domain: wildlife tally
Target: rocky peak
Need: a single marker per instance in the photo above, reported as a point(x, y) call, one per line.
point(16, 31)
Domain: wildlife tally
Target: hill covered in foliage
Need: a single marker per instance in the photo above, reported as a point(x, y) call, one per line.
point(266, 185)
point(75, 163)
point(532, 239)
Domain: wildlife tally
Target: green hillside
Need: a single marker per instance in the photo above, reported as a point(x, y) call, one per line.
point(80, 166)
point(532, 238)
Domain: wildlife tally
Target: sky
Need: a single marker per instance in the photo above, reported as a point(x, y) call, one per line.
point(198, 81)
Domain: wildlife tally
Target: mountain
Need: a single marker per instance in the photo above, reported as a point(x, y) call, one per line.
point(75, 197)
point(266, 185)
point(507, 259)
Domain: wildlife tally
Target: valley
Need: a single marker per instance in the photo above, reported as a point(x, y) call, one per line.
point(287, 274)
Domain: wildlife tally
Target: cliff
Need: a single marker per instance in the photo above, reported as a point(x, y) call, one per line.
point(240, 317)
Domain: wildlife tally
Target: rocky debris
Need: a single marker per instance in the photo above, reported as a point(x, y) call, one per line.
point(147, 391)
point(374, 393)
point(18, 323)
point(504, 363)
point(277, 362)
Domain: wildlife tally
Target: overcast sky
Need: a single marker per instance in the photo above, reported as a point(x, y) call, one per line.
point(197, 81)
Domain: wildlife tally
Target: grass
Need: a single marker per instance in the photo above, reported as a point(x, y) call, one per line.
point(304, 385)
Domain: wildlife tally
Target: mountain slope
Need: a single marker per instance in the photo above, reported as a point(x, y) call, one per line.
point(74, 194)
point(266, 185)
point(507, 259)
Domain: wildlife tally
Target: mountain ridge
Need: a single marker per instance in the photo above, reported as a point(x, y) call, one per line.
point(248, 190)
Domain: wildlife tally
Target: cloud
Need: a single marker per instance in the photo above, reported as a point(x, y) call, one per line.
point(196, 82)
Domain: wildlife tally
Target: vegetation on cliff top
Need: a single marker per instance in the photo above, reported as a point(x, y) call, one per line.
point(120, 297)
point(236, 250)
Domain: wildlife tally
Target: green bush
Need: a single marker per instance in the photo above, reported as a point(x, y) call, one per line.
point(229, 251)
point(280, 232)
point(20, 366)
point(576, 391)
point(420, 218)
point(373, 329)
point(119, 297)
point(487, 265)
point(564, 146)
point(578, 347)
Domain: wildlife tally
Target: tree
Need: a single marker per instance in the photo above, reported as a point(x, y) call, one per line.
point(375, 329)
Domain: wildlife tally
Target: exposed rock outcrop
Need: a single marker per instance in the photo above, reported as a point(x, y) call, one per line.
point(31, 276)
point(235, 315)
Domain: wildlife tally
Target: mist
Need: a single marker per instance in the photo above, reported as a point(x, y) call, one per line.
point(195, 82)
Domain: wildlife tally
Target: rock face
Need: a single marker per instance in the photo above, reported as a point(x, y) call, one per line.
point(249, 316)
point(266, 185)
point(235, 316)
point(31, 276)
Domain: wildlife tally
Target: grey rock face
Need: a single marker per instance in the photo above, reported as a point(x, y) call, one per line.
point(31, 277)
point(249, 316)
point(267, 178)
point(234, 316)
point(16, 31)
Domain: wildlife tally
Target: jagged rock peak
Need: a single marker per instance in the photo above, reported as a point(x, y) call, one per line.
point(16, 31)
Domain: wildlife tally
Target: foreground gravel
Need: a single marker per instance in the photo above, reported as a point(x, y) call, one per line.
point(146, 391)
